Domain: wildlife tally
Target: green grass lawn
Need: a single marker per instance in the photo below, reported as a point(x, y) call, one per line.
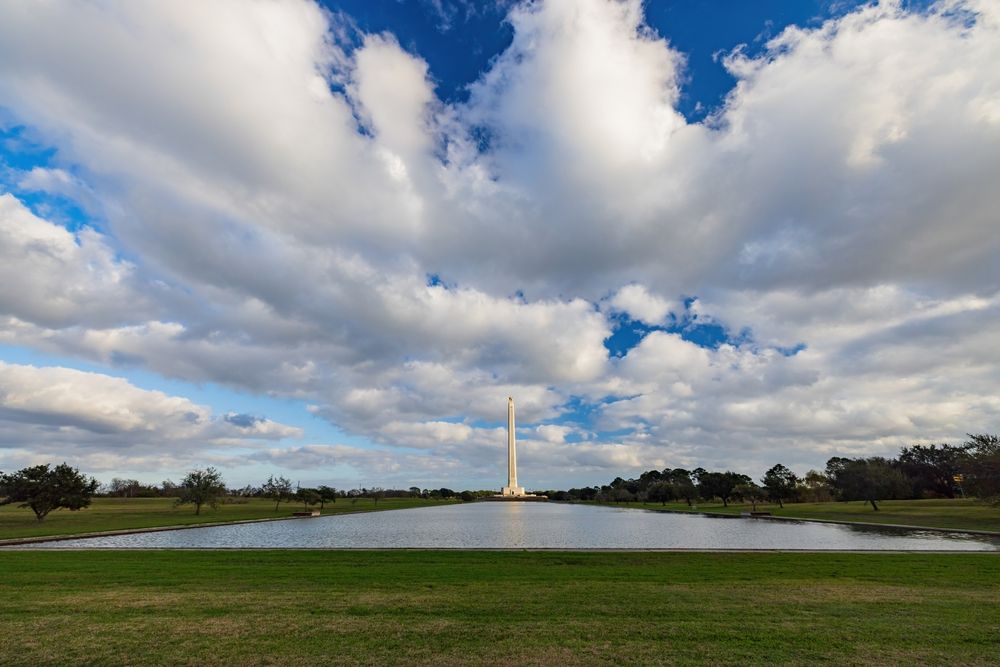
point(956, 513)
point(489, 608)
point(129, 513)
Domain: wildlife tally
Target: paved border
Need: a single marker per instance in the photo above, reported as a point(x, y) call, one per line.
point(873, 552)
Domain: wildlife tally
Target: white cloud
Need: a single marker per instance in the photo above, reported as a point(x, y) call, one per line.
point(65, 413)
point(554, 433)
point(54, 181)
point(643, 306)
point(57, 278)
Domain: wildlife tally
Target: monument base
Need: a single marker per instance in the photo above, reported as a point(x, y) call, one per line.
point(512, 491)
point(526, 498)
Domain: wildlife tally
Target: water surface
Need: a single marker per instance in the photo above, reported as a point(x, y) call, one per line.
point(512, 525)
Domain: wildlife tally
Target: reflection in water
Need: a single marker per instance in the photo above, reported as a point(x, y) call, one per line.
point(515, 525)
point(511, 524)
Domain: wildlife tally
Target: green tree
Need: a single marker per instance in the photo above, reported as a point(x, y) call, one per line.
point(981, 467)
point(278, 490)
point(327, 494)
point(123, 488)
point(871, 480)
point(749, 491)
point(44, 489)
point(779, 482)
point(931, 469)
point(660, 491)
point(201, 487)
point(308, 497)
point(622, 495)
point(681, 484)
point(720, 484)
point(648, 479)
point(815, 487)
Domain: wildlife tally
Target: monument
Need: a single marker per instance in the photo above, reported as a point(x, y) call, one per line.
point(512, 491)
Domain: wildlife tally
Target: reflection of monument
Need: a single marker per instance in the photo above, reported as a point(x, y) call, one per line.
point(512, 489)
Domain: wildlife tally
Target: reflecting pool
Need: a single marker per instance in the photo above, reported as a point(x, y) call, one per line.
point(513, 525)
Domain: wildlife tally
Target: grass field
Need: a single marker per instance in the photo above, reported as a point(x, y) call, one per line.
point(131, 513)
point(958, 514)
point(486, 608)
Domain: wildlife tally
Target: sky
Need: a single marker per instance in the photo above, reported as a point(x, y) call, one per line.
point(327, 241)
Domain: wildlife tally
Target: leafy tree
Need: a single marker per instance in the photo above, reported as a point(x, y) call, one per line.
point(414, 491)
point(981, 467)
point(649, 478)
point(44, 489)
point(622, 494)
point(710, 485)
point(779, 482)
point(467, 496)
point(308, 497)
point(586, 493)
point(169, 489)
point(327, 494)
point(201, 487)
point(871, 480)
point(629, 485)
point(681, 484)
point(749, 491)
point(278, 490)
point(124, 488)
point(720, 485)
point(815, 487)
point(661, 492)
point(932, 469)
point(248, 491)
point(835, 468)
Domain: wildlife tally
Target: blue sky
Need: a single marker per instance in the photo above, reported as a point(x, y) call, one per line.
point(459, 39)
point(680, 246)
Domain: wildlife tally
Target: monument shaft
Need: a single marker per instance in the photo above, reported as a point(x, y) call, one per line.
point(511, 445)
point(512, 489)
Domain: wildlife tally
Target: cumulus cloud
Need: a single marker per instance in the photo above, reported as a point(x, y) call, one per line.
point(282, 197)
point(56, 278)
point(641, 305)
point(58, 412)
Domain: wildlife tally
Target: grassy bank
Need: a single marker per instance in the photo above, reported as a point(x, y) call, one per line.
point(956, 514)
point(131, 513)
point(428, 607)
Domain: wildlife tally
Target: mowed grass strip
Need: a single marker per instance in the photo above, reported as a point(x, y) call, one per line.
point(108, 514)
point(488, 608)
point(945, 513)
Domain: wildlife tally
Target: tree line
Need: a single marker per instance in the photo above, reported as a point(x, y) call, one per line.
point(931, 471)
point(922, 471)
point(44, 488)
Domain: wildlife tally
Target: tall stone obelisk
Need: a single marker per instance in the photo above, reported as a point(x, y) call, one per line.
point(512, 489)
